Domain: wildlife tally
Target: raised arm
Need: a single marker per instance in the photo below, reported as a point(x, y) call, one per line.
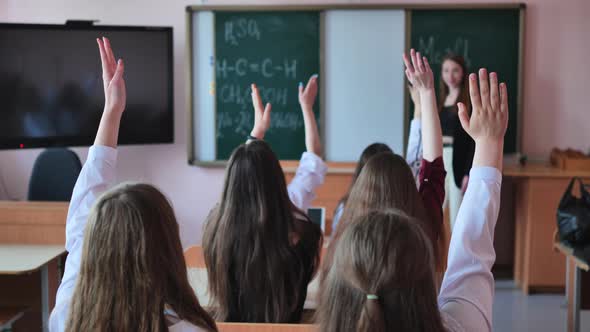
point(96, 176)
point(307, 96)
point(261, 115)
point(312, 169)
point(467, 291)
point(414, 151)
point(420, 75)
point(431, 174)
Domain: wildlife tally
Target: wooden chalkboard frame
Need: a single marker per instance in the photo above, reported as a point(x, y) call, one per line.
point(339, 167)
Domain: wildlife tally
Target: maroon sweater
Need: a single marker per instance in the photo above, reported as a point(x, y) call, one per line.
point(432, 190)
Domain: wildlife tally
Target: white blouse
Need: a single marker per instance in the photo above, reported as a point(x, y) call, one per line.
point(98, 175)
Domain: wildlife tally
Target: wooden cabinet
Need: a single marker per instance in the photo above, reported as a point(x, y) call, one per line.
point(538, 190)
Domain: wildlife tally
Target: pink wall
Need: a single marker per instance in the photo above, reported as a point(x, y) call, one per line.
point(557, 78)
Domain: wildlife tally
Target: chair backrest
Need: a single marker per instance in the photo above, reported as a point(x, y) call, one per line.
point(256, 327)
point(54, 175)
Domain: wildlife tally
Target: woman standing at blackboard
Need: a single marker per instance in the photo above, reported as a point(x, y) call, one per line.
point(458, 147)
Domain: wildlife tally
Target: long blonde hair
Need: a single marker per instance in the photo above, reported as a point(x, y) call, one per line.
point(132, 266)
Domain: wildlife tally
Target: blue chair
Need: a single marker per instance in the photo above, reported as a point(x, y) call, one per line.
point(54, 175)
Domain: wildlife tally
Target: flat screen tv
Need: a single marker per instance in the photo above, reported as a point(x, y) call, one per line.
point(51, 90)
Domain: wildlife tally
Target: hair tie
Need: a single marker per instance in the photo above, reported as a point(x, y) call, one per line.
point(372, 297)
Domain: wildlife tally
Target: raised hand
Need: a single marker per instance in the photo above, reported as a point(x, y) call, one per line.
point(489, 118)
point(307, 98)
point(420, 76)
point(418, 71)
point(261, 115)
point(115, 93)
point(307, 94)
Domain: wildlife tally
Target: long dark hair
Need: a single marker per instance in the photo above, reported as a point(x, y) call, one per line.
point(133, 266)
point(367, 153)
point(256, 273)
point(382, 278)
point(443, 89)
point(386, 182)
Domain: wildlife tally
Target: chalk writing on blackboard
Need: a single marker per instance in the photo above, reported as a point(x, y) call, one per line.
point(435, 53)
point(241, 122)
point(241, 95)
point(265, 67)
point(239, 29)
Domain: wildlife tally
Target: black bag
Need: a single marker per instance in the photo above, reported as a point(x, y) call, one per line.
point(573, 216)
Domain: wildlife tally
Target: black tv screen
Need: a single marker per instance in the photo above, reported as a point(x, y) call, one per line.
point(51, 90)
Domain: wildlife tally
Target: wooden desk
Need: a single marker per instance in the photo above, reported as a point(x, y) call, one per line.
point(33, 222)
point(577, 269)
point(538, 190)
point(26, 259)
point(335, 185)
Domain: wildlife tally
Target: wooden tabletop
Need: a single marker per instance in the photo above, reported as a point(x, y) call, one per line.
point(571, 252)
point(19, 259)
point(541, 170)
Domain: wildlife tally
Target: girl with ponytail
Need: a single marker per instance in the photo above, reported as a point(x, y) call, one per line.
point(381, 277)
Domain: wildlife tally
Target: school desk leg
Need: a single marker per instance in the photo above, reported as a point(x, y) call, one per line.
point(573, 285)
point(45, 297)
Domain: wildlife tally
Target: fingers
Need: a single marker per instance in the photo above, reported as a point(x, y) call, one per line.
point(463, 116)
point(484, 87)
point(419, 62)
point(426, 64)
point(256, 101)
point(410, 76)
point(503, 98)
point(103, 58)
point(413, 57)
point(109, 53)
point(266, 115)
point(474, 93)
point(119, 71)
point(494, 94)
point(311, 84)
point(409, 66)
point(300, 90)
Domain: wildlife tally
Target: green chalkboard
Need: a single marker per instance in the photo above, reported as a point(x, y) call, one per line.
point(484, 37)
point(275, 50)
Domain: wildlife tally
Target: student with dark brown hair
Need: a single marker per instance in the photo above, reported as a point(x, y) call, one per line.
point(382, 276)
point(125, 269)
point(367, 153)
point(261, 249)
point(386, 181)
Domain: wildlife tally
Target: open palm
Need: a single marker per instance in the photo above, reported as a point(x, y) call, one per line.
point(112, 76)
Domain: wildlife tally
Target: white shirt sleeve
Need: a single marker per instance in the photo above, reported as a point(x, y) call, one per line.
point(467, 291)
point(96, 176)
point(414, 152)
point(310, 174)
